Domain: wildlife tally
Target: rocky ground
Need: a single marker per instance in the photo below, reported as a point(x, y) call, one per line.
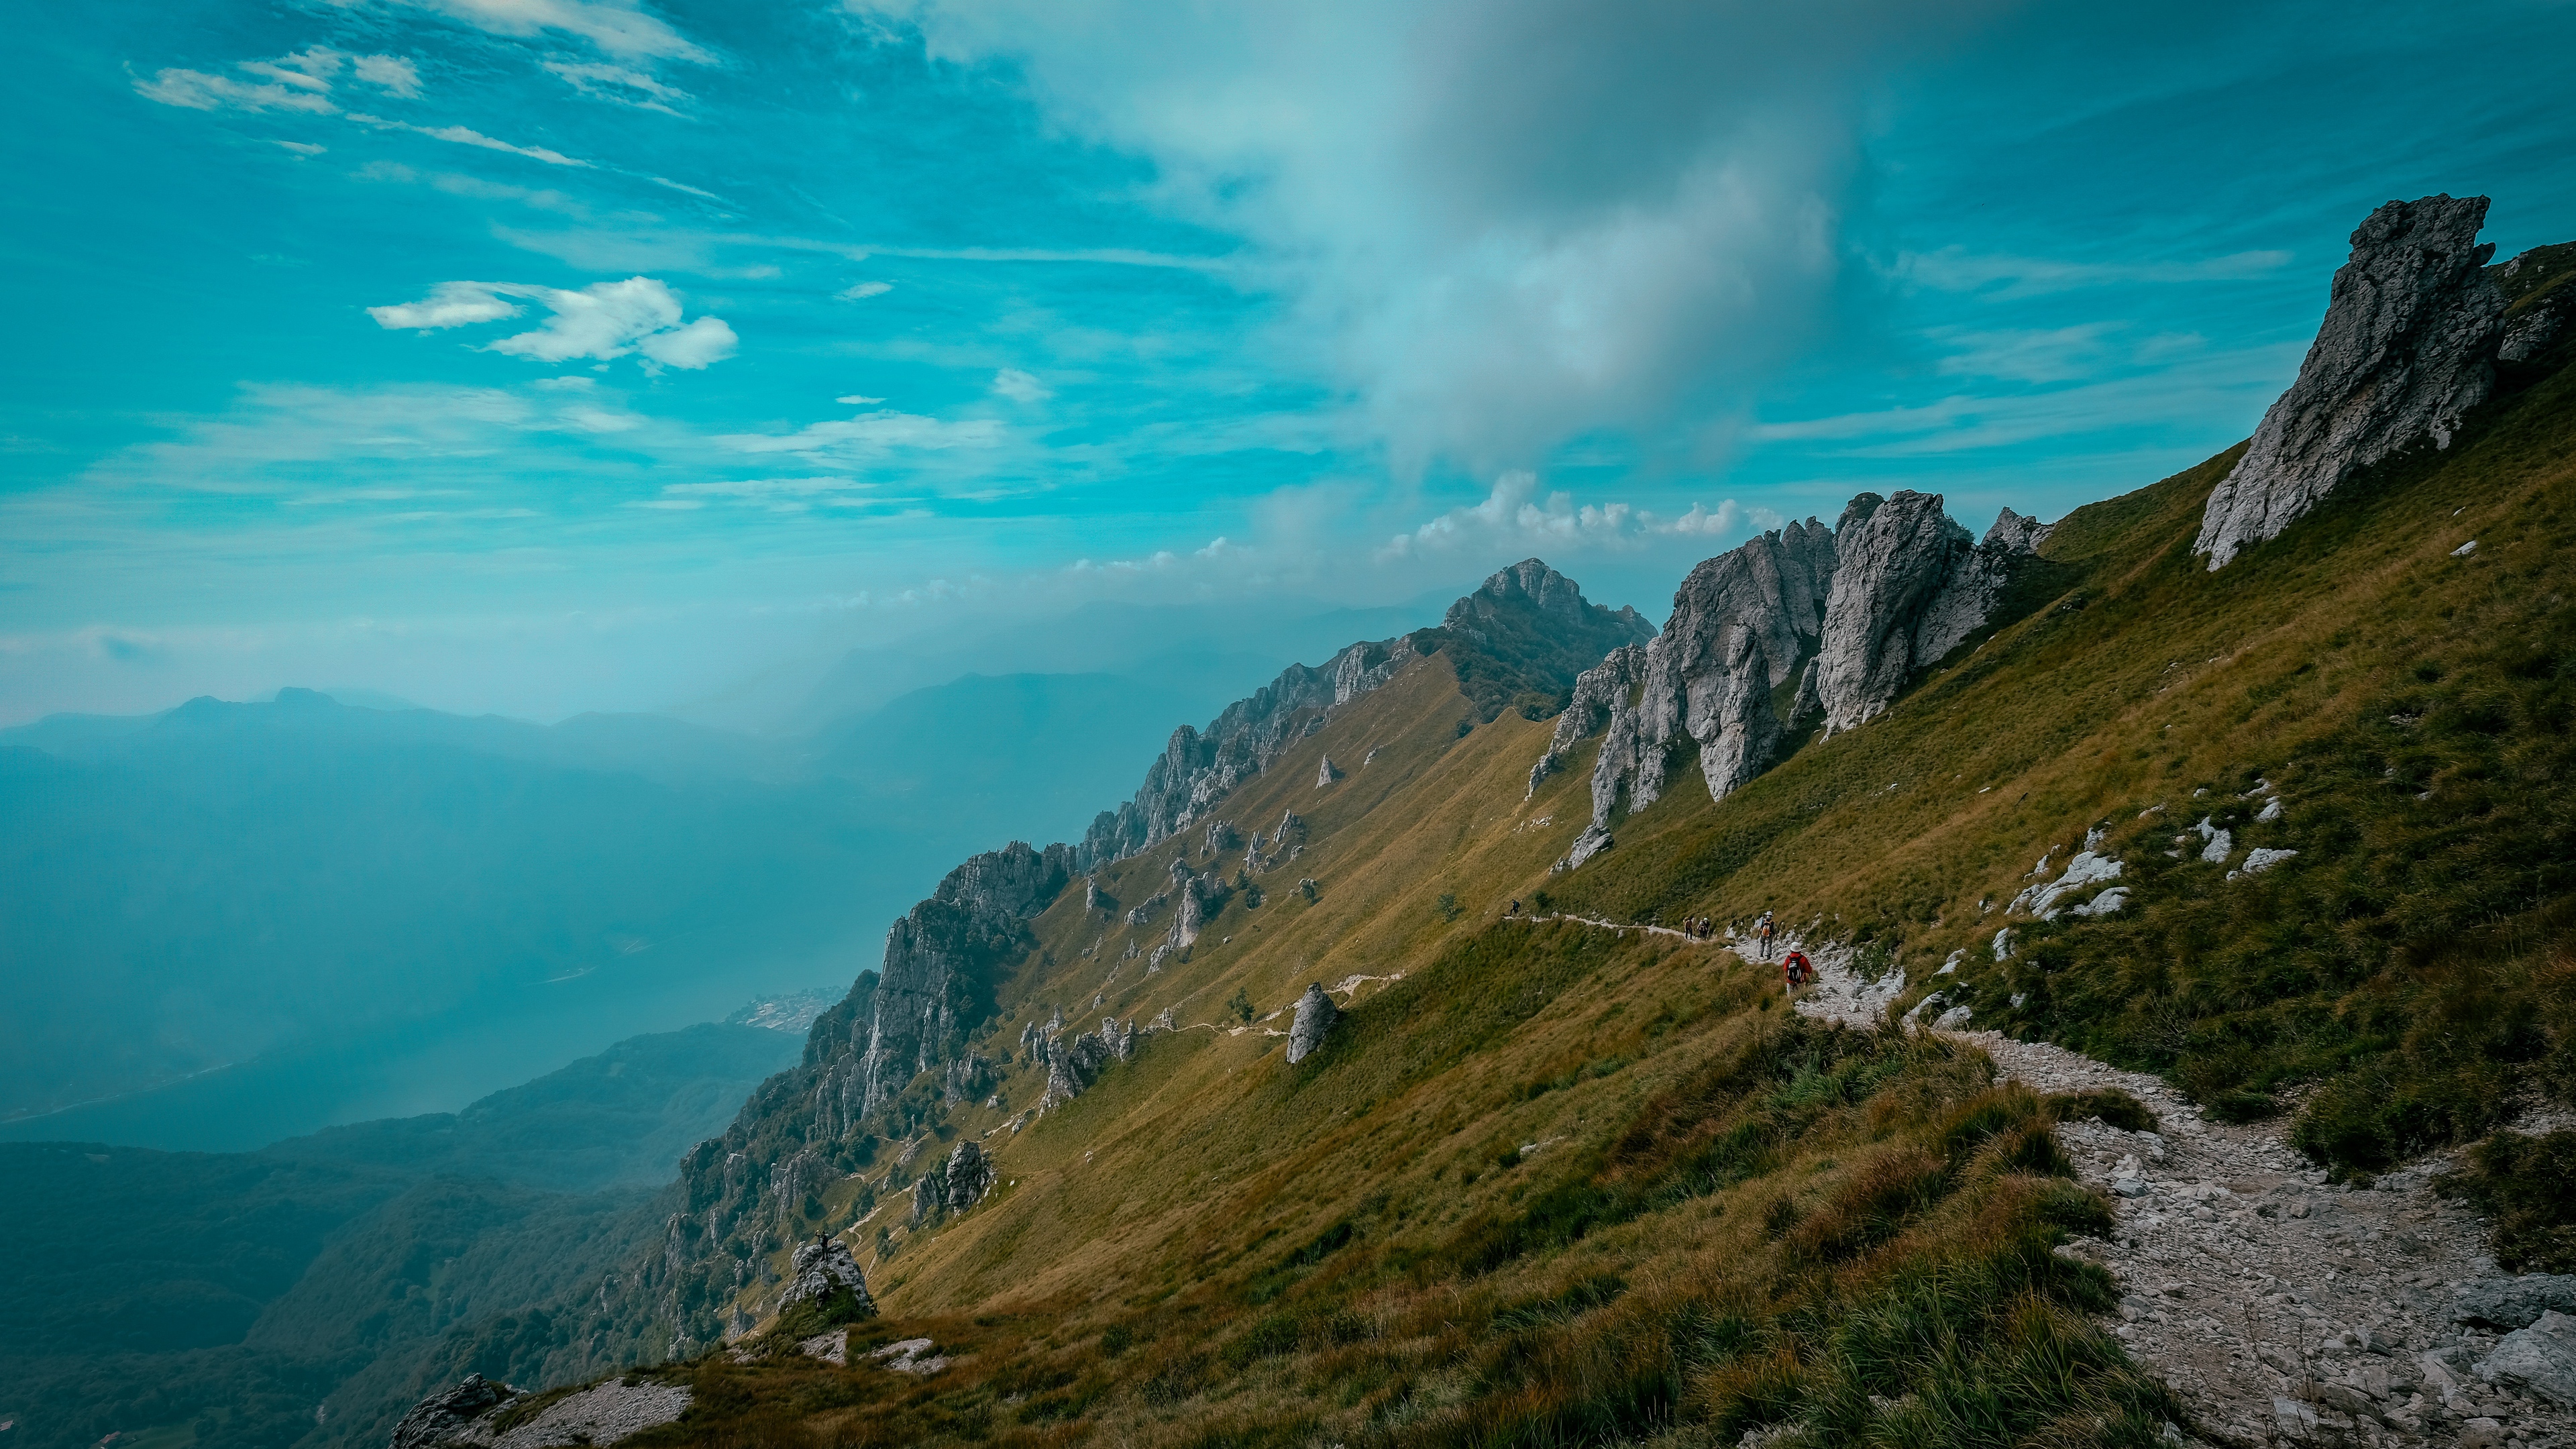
point(2285, 1310)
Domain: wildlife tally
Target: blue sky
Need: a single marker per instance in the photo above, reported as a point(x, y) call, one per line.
point(548, 355)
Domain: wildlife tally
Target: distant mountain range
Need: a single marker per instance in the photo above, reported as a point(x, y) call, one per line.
point(227, 923)
point(238, 1290)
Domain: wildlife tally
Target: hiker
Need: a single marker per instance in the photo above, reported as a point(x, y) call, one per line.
point(1798, 969)
point(1765, 924)
point(1516, 907)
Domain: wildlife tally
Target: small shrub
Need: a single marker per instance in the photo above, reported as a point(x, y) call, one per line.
point(2111, 1106)
point(1447, 906)
point(1239, 1006)
point(2528, 1186)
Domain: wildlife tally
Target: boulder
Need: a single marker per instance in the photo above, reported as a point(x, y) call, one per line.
point(821, 1269)
point(2541, 1358)
point(2515, 1302)
point(969, 1175)
point(1316, 1014)
point(436, 1421)
point(1326, 773)
point(2407, 347)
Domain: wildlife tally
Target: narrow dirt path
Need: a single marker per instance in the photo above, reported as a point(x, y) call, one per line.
point(2282, 1309)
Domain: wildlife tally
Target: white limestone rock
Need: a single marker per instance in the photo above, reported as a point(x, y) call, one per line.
point(2541, 1358)
point(2407, 347)
point(1908, 588)
point(822, 1268)
point(2086, 869)
point(2259, 859)
point(1326, 773)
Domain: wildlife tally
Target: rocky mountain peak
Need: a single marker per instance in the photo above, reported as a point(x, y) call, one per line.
point(2407, 347)
point(1531, 589)
point(1849, 614)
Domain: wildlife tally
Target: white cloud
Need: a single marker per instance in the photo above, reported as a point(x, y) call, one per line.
point(858, 400)
point(619, 29)
point(1513, 515)
point(605, 321)
point(1020, 387)
point(1504, 224)
point(303, 148)
point(871, 436)
point(617, 83)
point(390, 73)
point(1956, 269)
point(707, 340)
point(198, 91)
point(449, 304)
point(297, 82)
point(467, 136)
point(309, 69)
point(861, 291)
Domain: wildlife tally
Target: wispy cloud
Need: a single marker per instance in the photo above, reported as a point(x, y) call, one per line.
point(468, 136)
point(617, 83)
point(1956, 269)
point(390, 73)
point(603, 321)
point(861, 291)
point(1020, 387)
point(1514, 515)
point(619, 29)
point(301, 81)
point(872, 436)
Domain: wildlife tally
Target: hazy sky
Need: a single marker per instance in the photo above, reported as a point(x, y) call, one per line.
point(543, 355)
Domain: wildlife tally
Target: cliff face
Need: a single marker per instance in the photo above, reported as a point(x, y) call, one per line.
point(2407, 347)
point(1848, 614)
point(899, 1054)
point(940, 958)
point(1742, 625)
point(1198, 769)
point(1910, 587)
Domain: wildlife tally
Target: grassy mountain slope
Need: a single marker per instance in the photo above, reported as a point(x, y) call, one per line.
point(1551, 1182)
point(2404, 977)
point(1558, 1180)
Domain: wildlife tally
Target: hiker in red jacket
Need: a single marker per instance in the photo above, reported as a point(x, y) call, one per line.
point(1798, 969)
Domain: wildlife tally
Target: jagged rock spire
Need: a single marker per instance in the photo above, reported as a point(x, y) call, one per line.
point(2407, 347)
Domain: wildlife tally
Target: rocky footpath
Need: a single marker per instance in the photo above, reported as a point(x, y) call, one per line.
point(2283, 1309)
point(2408, 346)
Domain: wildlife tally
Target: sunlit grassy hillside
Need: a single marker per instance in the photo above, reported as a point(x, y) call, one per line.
point(1554, 1182)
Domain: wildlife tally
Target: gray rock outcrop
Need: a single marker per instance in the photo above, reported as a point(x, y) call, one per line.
point(2541, 1358)
point(2407, 347)
point(954, 1185)
point(1313, 1022)
point(1326, 773)
point(1742, 625)
point(1197, 769)
point(822, 1268)
point(2515, 1302)
point(1848, 615)
point(436, 1421)
point(941, 956)
point(1908, 588)
point(1073, 1065)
